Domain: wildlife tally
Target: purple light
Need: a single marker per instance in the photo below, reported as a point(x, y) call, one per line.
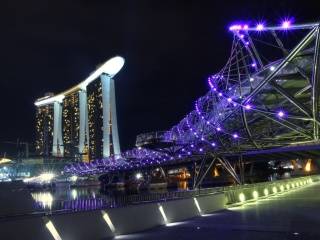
point(260, 27)
point(229, 99)
point(213, 144)
point(286, 24)
point(235, 27)
point(235, 135)
point(248, 106)
point(280, 113)
point(218, 128)
point(238, 27)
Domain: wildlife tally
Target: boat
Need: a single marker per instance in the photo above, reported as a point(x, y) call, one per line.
point(114, 185)
point(73, 181)
point(85, 183)
point(152, 186)
point(63, 181)
point(62, 184)
point(38, 185)
point(281, 169)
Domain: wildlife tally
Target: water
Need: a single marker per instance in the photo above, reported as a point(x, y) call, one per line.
point(92, 192)
point(95, 192)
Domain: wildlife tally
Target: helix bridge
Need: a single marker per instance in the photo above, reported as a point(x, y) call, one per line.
point(266, 98)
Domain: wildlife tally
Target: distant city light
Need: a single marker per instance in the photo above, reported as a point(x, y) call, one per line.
point(74, 178)
point(46, 176)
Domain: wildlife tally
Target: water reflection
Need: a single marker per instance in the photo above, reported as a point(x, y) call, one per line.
point(94, 193)
point(44, 197)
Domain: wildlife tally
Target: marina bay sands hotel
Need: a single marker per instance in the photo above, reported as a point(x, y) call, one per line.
point(81, 122)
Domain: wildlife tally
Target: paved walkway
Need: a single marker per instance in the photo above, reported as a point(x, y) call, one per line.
point(293, 215)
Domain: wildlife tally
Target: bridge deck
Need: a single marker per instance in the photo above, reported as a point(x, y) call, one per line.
point(290, 215)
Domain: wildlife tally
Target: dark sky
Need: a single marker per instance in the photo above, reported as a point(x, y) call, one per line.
point(170, 48)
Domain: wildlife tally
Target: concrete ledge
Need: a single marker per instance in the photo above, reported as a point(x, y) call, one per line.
point(125, 220)
point(121, 220)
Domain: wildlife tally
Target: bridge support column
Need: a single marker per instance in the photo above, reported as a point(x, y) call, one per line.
point(241, 167)
point(251, 168)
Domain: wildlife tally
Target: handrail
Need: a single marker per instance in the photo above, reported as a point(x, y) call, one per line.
point(231, 195)
point(121, 201)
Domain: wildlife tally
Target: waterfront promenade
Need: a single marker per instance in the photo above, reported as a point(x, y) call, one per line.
point(284, 209)
point(292, 215)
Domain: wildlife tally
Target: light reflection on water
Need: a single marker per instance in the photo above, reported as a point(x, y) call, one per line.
point(66, 193)
point(95, 192)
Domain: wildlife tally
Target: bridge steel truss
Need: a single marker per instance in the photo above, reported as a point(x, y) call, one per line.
point(266, 97)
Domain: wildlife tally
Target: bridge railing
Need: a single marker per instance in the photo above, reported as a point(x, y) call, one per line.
point(119, 201)
point(251, 192)
point(233, 195)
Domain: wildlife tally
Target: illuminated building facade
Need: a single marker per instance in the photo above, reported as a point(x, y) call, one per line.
point(44, 127)
point(71, 124)
point(81, 121)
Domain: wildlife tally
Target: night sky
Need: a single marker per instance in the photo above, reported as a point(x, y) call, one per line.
point(169, 47)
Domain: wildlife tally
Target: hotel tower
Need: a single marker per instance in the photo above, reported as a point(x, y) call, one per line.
point(81, 122)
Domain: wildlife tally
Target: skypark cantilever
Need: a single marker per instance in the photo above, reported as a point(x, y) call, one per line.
point(65, 123)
